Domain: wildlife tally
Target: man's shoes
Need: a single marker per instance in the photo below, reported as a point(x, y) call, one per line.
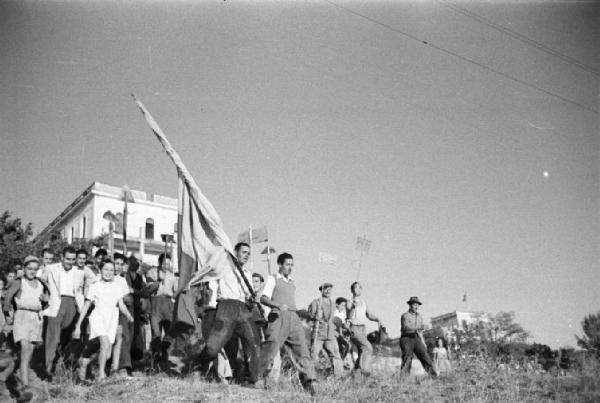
point(309, 387)
point(24, 395)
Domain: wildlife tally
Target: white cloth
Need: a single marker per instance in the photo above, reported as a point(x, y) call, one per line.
point(358, 312)
point(29, 297)
point(66, 281)
point(232, 285)
point(123, 283)
point(104, 319)
point(168, 284)
point(270, 284)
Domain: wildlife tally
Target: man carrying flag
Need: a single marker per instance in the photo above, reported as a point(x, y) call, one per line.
point(234, 316)
point(205, 254)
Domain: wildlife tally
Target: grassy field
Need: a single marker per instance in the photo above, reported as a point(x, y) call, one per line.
point(471, 381)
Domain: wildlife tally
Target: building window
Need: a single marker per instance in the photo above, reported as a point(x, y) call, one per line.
point(149, 228)
point(83, 227)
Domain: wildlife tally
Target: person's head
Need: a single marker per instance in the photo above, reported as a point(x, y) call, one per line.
point(118, 261)
point(107, 270)
point(325, 289)
point(68, 257)
point(100, 255)
point(413, 304)
point(286, 263)
point(81, 257)
point(340, 303)
point(440, 342)
point(47, 256)
point(257, 282)
point(11, 275)
point(356, 289)
point(164, 262)
point(242, 252)
point(31, 266)
point(134, 264)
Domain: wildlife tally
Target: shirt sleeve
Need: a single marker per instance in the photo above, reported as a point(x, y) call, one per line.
point(269, 287)
point(91, 293)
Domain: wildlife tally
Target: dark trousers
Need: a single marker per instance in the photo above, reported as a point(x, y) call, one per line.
point(128, 331)
point(412, 344)
point(59, 327)
point(232, 319)
point(160, 319)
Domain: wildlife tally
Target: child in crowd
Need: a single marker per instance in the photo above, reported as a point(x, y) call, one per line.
point(441, 358)
point(23, 304)
point(107, 297)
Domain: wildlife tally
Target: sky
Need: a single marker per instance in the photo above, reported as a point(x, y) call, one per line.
point(461, 138)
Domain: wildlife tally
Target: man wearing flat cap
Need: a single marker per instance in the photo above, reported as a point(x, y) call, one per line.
point(411, 338)
point(322, 312)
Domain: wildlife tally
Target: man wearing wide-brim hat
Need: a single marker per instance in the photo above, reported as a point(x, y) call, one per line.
point(322, 312)
point(411, 338)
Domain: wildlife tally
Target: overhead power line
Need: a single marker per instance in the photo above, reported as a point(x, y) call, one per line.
point(464, 58)
point(520, 37)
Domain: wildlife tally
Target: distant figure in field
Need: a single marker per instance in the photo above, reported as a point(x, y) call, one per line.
point(322, 312)
point(411, 338)
point(358, 314)
point(441, 356)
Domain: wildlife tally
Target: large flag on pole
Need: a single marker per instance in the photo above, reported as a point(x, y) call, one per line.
point(204, 250)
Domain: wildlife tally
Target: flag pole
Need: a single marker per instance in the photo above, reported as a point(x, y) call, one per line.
point(268, 257)
point(362, 249)
point(251, 257)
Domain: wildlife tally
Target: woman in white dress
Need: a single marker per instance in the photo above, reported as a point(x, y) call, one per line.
point(107, 297)
point(441, 358)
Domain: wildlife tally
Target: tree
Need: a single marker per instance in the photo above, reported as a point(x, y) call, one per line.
point(590, 340)
point(14, 239)
point(505, 330)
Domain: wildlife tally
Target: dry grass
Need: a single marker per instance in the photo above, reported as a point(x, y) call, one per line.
point(473, 381)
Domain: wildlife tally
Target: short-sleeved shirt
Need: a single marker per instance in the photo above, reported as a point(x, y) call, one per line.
point(411, 323)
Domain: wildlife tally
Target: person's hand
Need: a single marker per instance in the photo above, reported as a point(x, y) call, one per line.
point(130, 318)
point(9, 319)
point(44, 298)
point(77, 333)
point(283, 307)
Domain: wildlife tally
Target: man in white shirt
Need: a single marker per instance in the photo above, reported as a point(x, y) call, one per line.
point(233, 316)
point(66, 301)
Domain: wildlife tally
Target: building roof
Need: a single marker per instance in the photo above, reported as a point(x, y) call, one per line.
point(102, 189)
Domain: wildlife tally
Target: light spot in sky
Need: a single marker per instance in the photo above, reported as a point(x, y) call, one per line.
point(546, 174)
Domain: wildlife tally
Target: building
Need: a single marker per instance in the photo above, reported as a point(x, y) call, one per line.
point(149, 216)
point(449, 322)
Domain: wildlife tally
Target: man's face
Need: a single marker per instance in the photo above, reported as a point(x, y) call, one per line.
point(118, 266)
point(357, 290)
point(243, 254)
point(257, 284)
point(108, 272)
point(10, 277)
point(80, 260)
point(286, 267)
point(20, 272)
point(166, 264)
point(48, 258)
point(414, 307)
point(326, 292)
point(31, 270)
point(341, 306)
point(68, 260)
point(99, 259)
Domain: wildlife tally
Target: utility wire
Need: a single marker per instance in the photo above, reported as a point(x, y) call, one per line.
point(466, 59)
point(520, 37)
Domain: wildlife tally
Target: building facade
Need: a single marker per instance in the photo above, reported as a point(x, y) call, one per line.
point(149, 216)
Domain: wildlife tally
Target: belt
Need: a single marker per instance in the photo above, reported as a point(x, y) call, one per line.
point(67, 296)
point(30, 310)
point(409, 335)
point(352, 324)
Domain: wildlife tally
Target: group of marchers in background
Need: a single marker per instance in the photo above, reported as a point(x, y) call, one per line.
point(74, 309)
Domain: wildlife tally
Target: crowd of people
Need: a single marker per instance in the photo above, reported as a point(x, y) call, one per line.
point(111, 310)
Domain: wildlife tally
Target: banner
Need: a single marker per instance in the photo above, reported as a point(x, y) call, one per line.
point(204, 249)
point(327, 258)
point(258, 235)
point(363, 244)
